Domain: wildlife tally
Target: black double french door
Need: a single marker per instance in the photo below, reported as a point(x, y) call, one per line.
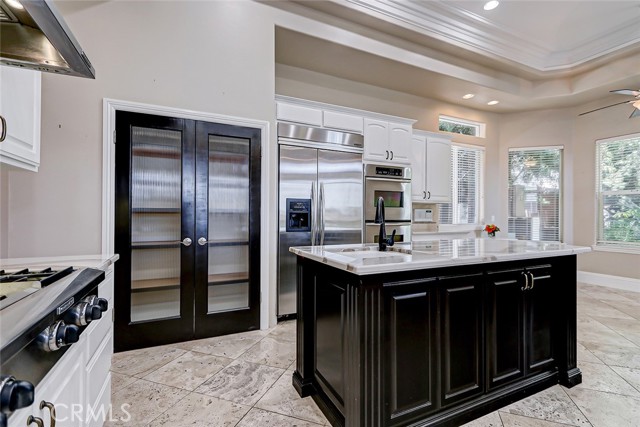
point(187, 229)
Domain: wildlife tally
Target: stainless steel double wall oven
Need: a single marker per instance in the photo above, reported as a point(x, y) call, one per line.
point(393, 184)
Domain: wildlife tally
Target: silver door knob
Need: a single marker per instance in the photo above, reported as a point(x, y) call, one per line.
point(186, 241)
point(202, 241)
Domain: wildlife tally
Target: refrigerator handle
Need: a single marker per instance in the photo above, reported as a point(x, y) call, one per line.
point(314, 219)
point(321, 219)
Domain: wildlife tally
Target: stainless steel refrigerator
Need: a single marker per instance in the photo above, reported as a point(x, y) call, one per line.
point(320, 197)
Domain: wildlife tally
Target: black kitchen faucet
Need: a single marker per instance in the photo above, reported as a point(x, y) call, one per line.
point(383, 241)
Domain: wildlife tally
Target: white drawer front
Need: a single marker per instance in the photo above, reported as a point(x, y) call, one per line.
point(98, 370)
point(105, 289)
point(96, 332)
point(298, 114)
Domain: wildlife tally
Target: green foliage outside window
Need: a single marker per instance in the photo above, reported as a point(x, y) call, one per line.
point(457, 128)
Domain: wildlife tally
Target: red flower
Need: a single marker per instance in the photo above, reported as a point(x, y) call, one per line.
point(491, 228)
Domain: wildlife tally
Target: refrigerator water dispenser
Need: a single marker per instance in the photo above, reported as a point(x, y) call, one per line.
point(298, 215)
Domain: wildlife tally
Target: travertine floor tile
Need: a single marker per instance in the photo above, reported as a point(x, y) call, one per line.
point(139, 363)
point(273, 351)
point(489, 420)
point(601, 309)
point(241, 382)
point(632, 309)
point(585, 355)
point(632, 376)
point(259, 418)
point(596, 376)
point(119, 381)
point(141, 402)
point(512, 420)
point(199, 410)
point(551, 404)
point(284, 399)
point(607, 409)
point(628, 328)
point(189, 370)
point(285, 330)
point(628, 357)
point(230, 346)
point(591, 330)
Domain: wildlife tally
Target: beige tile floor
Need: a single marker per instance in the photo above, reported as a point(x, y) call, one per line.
point(245, 379)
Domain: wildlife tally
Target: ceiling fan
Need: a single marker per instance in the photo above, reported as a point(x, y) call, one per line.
point(635, 102)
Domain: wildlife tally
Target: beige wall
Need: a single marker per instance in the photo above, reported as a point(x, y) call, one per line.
point(210, 56)
point(589, 128)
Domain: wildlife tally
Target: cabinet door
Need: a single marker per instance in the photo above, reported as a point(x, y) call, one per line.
point(462, 374)
point(400, 143)
point(410, 363)
point(438, 170)
point(418, 168)
point(504, 327)
point(342, 121)
point(298, 114)
point(20, 106)
point(540, 309)
point(63, 387)
point(376, 140)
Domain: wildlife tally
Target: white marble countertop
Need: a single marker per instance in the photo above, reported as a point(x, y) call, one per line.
point(366, 259)
point(98, 261)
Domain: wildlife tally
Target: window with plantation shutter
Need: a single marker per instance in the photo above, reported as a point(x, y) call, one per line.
point(535, 187)
point(618, 192)
point(467, 172)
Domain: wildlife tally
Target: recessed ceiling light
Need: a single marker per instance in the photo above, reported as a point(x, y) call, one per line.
point(494, 102)
point(468, 96)
point(490, 5)
point(15, 4)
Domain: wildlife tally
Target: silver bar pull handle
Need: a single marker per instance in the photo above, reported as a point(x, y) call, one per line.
point(202, 241)
point(35, 420)
point(533, 279)
point(186, 241)
point(526, 281)
point(321, 214)
point(314, 219)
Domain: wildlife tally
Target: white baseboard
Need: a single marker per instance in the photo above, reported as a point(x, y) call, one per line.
point(617, 282)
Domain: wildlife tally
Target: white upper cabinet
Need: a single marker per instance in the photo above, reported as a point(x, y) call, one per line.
point(387, 142)
point(431, 168)
point(20, 107)
point(298, 114)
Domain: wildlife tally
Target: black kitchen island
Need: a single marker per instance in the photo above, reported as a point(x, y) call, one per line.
point(435, 333)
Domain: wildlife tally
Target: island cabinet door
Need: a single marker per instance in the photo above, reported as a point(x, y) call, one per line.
point(462, 361)
point(410, 356)
point(540, 300)
point(504, 326)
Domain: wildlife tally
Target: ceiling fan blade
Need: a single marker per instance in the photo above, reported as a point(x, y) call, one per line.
point(602, 108)
point(635, 113)
point(626, 92)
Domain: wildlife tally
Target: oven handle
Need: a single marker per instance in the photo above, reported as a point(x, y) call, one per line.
point(401, 180)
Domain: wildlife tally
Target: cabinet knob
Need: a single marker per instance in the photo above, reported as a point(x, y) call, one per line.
point(52, 412)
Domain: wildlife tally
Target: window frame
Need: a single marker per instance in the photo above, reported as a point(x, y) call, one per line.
point(480, 189)
point(599, 243)
point(479, 126)
point(561, 190)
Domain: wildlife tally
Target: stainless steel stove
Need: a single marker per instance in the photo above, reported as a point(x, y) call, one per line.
point(42, 312)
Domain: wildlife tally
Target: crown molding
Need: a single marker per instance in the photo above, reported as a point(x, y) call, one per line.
point(447, 23)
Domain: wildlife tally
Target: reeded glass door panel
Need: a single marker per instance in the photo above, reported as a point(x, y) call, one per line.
point(156, 177)
point(228, 227)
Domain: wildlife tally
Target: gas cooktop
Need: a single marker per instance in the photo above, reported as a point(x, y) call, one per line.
point(18, 284)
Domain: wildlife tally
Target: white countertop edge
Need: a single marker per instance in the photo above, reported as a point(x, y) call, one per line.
point(345, 263)
point(98, 261)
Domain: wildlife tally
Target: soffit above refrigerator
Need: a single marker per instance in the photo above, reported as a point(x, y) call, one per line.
point(33, 35)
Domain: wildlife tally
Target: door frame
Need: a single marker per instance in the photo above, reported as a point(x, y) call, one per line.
point(267, 239)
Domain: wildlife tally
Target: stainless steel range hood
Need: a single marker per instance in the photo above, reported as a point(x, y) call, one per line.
point(33, 35)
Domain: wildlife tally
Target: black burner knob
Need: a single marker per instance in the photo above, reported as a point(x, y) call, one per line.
point(103, 303)
point(67, 334)
point(94, 312)
point(15, 394)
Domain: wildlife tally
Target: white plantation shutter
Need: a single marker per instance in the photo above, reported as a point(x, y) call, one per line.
point(467, 174)
point(535, 184)
point(618, 192)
